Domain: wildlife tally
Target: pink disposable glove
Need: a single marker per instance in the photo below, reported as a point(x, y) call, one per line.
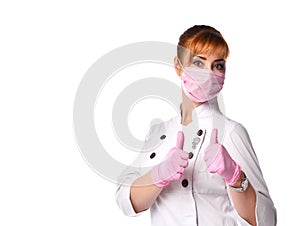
point(219, 161)
point(173, 166)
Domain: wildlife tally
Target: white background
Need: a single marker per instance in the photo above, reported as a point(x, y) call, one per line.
point(47, 46)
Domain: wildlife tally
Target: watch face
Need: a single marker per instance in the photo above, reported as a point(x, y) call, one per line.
point(245, 184)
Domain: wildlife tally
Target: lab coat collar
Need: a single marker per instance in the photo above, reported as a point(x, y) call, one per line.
point(207, 109)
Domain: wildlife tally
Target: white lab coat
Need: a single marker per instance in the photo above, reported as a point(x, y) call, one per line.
point(198, 197)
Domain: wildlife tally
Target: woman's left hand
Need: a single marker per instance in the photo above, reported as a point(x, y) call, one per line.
point(219, 161)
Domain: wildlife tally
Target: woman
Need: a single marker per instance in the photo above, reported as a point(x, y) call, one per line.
point(205, 171)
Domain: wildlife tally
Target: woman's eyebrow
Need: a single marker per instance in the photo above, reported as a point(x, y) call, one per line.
point(203, 58)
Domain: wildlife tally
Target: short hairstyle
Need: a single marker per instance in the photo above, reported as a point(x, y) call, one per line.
point(202, 39)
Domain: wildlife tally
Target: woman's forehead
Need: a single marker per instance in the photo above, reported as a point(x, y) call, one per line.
point(204, 56)
point(210, 56)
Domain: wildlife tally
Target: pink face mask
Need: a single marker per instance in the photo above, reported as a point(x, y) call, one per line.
point(201, 85)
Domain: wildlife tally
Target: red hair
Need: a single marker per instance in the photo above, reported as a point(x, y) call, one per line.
point(202, 39)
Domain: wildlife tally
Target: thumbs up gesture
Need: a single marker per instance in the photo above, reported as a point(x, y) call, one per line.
point(173, 166)
point(219, 161)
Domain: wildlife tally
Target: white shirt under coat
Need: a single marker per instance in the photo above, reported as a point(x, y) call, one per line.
point(198, 197)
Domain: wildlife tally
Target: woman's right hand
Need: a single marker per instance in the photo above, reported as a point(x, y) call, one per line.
point(173, 166)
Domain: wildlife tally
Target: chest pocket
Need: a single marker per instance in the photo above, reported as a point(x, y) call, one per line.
point(208, 183)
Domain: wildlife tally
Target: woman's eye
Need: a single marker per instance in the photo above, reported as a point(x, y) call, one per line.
point(219, 66)
point(197, 63)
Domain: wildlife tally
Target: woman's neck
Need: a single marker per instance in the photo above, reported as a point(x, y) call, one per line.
point(187, 108)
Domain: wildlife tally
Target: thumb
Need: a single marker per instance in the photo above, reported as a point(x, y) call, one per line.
point(180, 140)
point(214, 136)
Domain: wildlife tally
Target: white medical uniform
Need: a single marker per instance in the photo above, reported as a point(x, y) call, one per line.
point(198, 197)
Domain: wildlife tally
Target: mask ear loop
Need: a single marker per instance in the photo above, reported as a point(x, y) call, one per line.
point(181, 67)
point(180, 64)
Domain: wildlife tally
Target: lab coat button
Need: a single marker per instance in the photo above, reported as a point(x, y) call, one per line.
point(200, 132)
point(152, 155)
point(184, 183)
point(162, 137)
point(191, 154)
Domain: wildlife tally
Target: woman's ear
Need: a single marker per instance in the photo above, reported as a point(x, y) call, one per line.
point(177, 66)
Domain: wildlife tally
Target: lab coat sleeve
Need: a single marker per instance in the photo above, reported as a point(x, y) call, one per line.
point(130, 174)
point(239, 146)
point(123, 192)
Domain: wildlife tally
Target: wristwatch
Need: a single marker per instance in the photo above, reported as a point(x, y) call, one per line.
point(244, 184)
